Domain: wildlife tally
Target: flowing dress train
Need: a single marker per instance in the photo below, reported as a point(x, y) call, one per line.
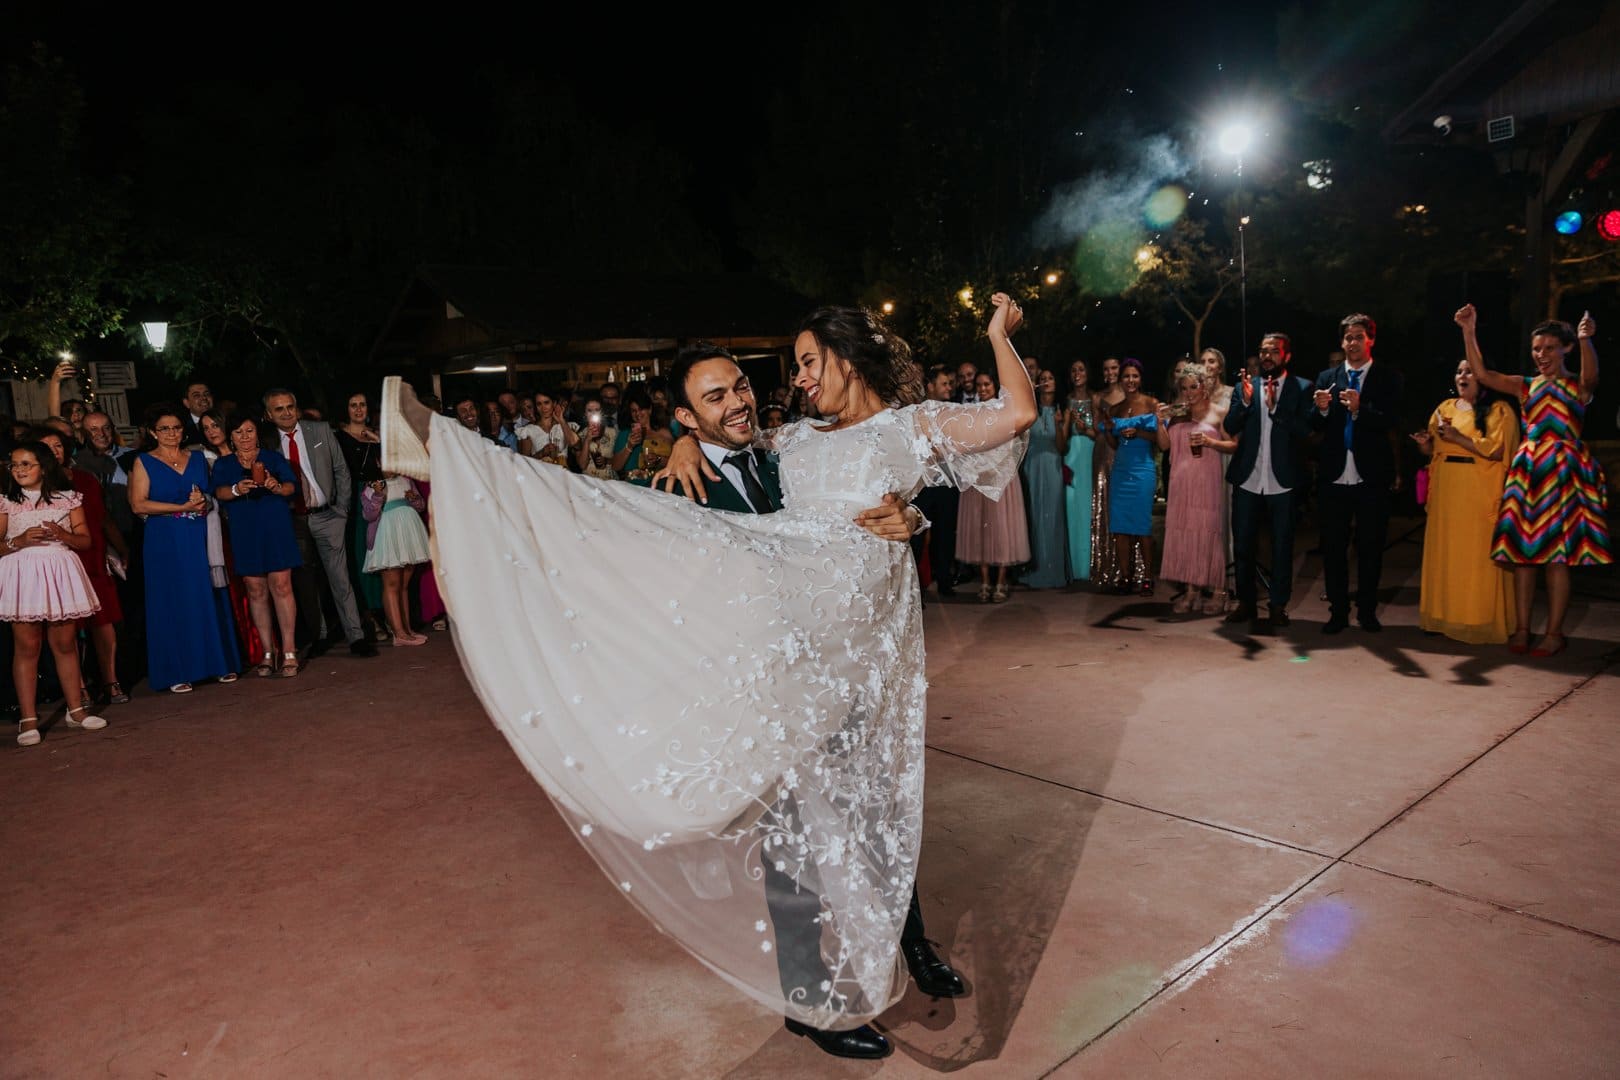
point(778, 717)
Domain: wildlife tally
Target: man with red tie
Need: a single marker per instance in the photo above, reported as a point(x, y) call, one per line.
point(1270, 415)
point(320, 514)
point(1358, 404)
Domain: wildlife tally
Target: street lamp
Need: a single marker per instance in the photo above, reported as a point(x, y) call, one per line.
point(157, 334)
point(1233, 140)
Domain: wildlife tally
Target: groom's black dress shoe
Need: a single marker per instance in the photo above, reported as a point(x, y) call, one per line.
point(863, 1042)
point(932, 975)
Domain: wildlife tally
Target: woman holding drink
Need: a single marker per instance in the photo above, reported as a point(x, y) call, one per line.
point(256, 485)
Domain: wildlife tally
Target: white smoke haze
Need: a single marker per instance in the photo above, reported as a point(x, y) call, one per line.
point(1114, 196)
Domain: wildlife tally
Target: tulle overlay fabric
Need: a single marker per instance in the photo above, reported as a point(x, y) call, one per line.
point(777, 719)
point(44, 582)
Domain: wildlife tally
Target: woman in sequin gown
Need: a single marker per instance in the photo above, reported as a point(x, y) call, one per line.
point(1554, 504)
point(780, 714)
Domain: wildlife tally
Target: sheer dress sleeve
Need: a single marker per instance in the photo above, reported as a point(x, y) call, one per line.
point(975, 446)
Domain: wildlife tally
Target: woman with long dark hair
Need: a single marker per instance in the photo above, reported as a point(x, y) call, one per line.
point(1553, 513)
point(362, 452)
point(778, 715)
point(1077, 442)
point(1131, 428)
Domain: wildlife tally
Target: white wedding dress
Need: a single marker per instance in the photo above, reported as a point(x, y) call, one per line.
point(700, 691)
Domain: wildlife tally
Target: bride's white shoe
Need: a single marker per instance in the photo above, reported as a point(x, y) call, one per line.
point(402, 451)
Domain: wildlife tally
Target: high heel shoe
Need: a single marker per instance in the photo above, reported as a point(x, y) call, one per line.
point(402, 450)
point(88, 723)
point(1542, 651)
point(116, 694)
point(29, 736)
point(265, 666)
point(289, 665)
point(1521, 646)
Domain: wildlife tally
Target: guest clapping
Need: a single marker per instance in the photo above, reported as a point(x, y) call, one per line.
point(257, 485)
point(992, 532)
point(1130, 428)
point(187, 639)
point(44, 590)
point(1194, 537)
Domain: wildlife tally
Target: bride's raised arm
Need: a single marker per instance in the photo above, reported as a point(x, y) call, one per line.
point(969, 429)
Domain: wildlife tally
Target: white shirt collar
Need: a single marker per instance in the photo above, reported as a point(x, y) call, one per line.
point(716, 453)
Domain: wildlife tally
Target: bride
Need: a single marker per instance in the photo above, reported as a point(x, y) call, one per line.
point(779, 719)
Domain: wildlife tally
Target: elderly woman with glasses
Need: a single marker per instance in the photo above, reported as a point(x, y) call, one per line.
point(188, 636)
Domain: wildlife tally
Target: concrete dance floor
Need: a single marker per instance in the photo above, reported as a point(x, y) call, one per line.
point(1154, 848)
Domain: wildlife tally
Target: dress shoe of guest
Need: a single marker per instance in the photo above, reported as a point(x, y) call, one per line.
point(1241, 614)
point(1335, 624)
point(932, 975)
point(863, 1042)
point(1369, 622)
point(1278, 618)
point(318, 649)
point(362, 647)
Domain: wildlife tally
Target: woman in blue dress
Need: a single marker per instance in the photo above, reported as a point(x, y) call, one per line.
point(1043, 470)
point(1077, 438)
point(256, 485)
point(188, 636)
point(1131, 428)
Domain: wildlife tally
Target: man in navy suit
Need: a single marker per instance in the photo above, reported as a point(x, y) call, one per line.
point(1358, 405)
point(1270, 415)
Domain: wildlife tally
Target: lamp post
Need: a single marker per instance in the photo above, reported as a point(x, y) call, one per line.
point(157, 334)
point(1233, 140)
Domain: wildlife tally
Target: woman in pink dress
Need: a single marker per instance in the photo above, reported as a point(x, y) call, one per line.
point(1194, 536)
point(42, 581)
point(992, 532)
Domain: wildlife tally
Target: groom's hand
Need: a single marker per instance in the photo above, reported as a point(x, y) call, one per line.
point(890, 520)
point(688, 467)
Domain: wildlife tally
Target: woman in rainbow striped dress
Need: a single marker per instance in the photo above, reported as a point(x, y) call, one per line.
point(1553, 504)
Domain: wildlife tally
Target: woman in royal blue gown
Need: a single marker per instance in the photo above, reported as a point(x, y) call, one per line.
point(189, 637)
point(1131, 428)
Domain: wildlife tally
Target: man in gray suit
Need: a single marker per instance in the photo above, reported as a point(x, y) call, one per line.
point(320, 514)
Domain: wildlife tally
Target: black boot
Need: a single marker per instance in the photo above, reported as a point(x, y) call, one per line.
point(932, 975)
point(863, 1042)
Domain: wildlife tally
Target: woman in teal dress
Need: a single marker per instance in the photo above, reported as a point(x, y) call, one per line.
point(1043, 471)
point(189, 635)
point(1077, 438)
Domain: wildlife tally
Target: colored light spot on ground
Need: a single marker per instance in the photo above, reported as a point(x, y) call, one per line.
point(1319, 932)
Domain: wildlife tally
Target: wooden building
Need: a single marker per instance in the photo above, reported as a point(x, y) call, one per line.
point(483, 329)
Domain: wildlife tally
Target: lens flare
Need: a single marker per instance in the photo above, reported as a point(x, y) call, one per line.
point(1165, 206)
point(1105, 258)
point(1319, 932)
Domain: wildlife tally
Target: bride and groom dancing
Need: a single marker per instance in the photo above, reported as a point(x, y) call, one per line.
point(751, 778)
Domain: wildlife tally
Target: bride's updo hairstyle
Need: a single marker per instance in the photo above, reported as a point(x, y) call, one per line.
point(879, 357)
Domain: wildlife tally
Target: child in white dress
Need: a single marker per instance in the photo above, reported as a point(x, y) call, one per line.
point(396, 544)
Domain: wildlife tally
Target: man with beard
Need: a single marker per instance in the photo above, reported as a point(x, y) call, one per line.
point(714, 401)
point(1358, 404)
point(1270, 415)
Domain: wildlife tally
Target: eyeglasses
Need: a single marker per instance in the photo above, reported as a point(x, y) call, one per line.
point(19, 466)
point(168, 429)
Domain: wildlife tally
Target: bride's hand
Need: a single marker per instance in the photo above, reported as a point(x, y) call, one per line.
point(688, 467)
point(1007, 317)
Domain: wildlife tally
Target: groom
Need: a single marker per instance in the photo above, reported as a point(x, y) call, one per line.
point(714, 401)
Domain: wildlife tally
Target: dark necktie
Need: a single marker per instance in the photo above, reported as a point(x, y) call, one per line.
point(1349, 421)
point(299, 505)
point(743, 461)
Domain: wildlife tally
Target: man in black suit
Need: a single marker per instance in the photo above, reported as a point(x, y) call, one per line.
point(939, 505)
point(198, 400)
point(1270, 415)
point(714, 401)
point(1358, 405)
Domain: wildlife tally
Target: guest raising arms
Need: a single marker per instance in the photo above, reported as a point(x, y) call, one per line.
point(1553, 507)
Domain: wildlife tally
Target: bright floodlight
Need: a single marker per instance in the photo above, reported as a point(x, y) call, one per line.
point(157, 334)
point(1234, 139)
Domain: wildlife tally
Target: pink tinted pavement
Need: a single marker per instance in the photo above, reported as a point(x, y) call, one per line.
point(1153, 847)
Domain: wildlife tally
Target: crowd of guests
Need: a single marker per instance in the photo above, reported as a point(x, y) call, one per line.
point(1510, 487)
point(247, 541)
point(231, 541)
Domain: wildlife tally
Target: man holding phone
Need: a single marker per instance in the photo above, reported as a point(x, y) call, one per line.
point(1357, 406)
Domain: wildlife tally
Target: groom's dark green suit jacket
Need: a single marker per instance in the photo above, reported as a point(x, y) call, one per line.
point(723, 495)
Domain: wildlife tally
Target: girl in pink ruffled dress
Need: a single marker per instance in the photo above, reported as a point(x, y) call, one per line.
point(42, 581)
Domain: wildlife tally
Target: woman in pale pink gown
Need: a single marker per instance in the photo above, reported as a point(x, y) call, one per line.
point(1194, 535)
point(992, 532)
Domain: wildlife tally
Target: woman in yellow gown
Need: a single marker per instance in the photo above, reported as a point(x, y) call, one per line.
point(1470, 439)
